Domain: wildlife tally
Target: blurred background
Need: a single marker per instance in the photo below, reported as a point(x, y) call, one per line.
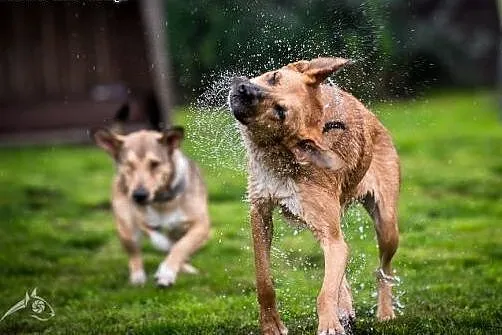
point(429, 69)
point(68, 65)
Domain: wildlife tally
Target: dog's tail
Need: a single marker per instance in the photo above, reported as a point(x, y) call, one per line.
point(120, 118)
point(152, 110)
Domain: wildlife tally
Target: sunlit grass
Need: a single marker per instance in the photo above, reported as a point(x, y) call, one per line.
point(57, 234)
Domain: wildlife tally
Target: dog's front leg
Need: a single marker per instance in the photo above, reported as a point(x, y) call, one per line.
point(326, 223)
point(335, 257)
point(262, 229)
point(192, 241)
point(129, 236)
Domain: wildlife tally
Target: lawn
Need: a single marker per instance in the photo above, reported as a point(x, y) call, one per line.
point(56, 233)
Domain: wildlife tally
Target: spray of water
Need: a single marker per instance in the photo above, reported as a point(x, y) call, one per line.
point(357, 225)
point(217, 142)
point(212, 128)
point(281, 39)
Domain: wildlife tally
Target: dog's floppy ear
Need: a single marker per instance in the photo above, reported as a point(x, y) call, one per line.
point(109, 141)
point(311, 151)
point(318, 69)
point(172, 137)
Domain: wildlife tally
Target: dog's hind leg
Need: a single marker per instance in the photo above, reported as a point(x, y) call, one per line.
point(384, 213)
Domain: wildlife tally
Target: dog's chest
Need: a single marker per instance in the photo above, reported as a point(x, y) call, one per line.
point(264, 183)
point(168, 220)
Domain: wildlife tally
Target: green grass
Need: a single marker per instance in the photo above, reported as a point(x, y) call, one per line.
point(56, 233)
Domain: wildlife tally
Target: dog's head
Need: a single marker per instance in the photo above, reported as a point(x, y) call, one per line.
point(145, 160)
point(285, 106)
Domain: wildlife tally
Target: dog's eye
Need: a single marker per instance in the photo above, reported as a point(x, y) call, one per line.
point(280, 112)
point(154, 165)
point(274, 78)
point(333, 125)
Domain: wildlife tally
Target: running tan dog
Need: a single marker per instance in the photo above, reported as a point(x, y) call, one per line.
point(313, 149)
point(158, 191)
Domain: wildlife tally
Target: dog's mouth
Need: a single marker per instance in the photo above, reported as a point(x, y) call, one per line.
point(142, 197)
point(244, 98)
point(170, 192)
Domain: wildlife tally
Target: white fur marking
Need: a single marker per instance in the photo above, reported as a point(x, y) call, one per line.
point(181, 167)
point(165, 276)
point(169, 220)
point(266, 184)
point(160, 241)
point(138, 277)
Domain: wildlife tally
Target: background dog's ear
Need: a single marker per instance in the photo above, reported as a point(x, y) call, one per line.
point(109, 141)
point(172, 137)
point(318, 69)
point(308, 151)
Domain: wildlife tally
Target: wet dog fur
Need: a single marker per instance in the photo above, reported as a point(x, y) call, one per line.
point(313, 149)
point(159, 192)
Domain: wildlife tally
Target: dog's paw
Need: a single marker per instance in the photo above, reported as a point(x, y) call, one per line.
point(331, 331)
point(271, 324)
point(331, 327)
point(385, 314)
point(165, 276)
point(138, 277)
point(274, 329)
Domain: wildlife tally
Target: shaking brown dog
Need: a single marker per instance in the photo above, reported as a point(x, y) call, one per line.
point(312, 149)
point(157, 190)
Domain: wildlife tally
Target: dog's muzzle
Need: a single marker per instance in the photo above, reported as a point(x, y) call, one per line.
point(244, 97)
point(140, 195)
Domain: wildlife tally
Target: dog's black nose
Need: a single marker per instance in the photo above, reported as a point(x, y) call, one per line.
point(140, 195)
point(244, 98)
point(245, 89)
point(238, 80)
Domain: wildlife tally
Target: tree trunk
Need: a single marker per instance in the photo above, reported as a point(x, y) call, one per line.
point(155, 23)
point(499, 79)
